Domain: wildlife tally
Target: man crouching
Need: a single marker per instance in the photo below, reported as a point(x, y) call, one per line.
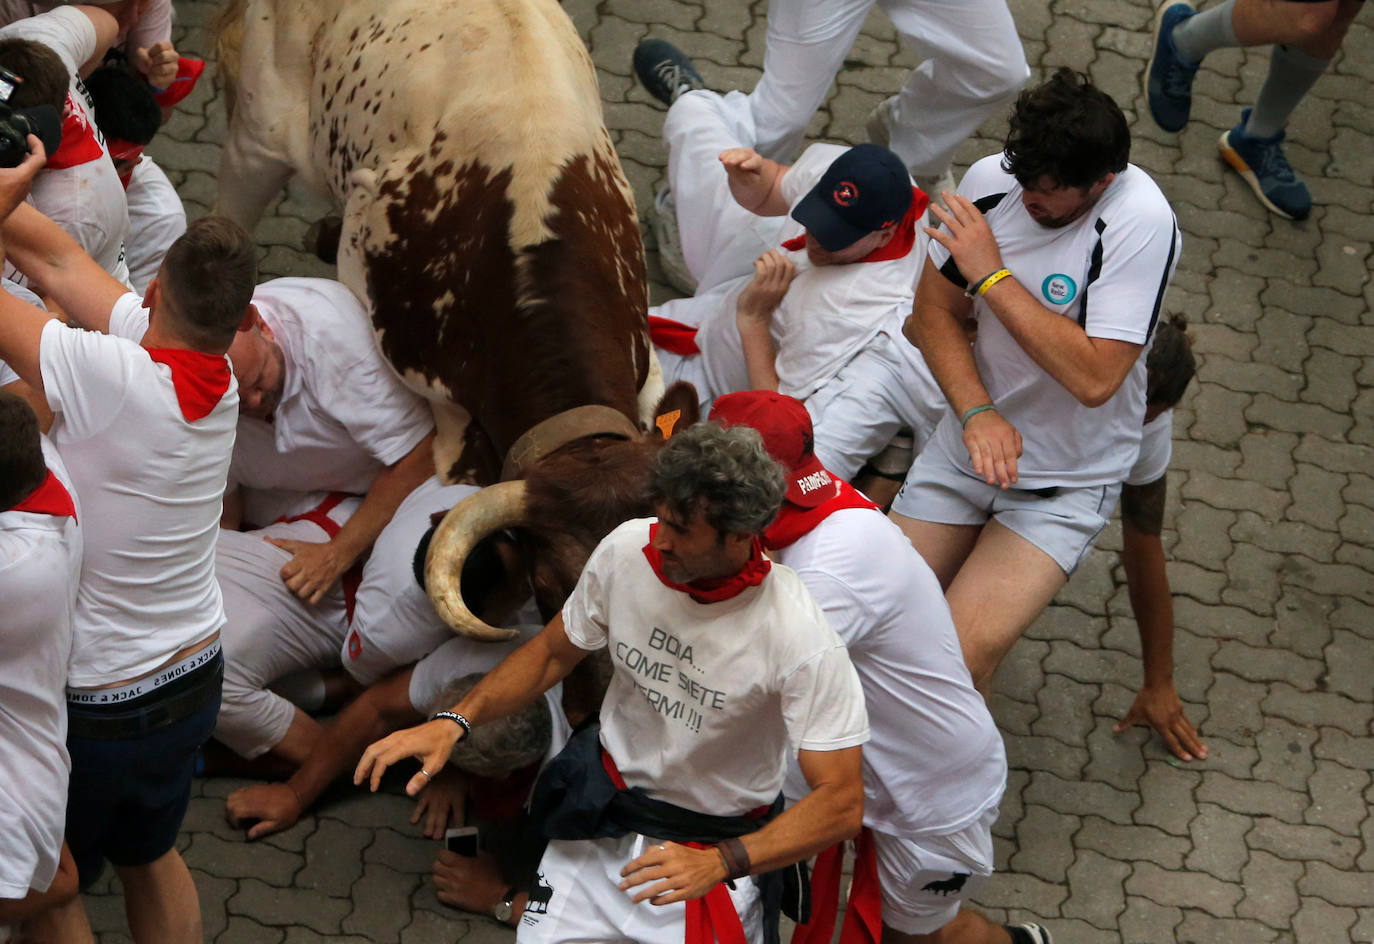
point(722, 665)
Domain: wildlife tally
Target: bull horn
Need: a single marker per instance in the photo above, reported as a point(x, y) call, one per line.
point(467, 523)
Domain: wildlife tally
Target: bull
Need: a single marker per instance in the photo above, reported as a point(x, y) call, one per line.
point(488, 227)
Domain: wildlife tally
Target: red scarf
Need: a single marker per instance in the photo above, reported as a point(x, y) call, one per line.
point(673, 336)
point(794, 522)
point(717, 588)
point(79, 143)
point(188, 73)
point(863, 919)
point(200, 379)
point(49, 498)
point(902, 240)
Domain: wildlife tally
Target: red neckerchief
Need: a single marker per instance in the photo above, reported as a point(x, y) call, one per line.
point(79, 143)
point(673, 336)
point(902, 240)
point(200, 379)
point(188, 73)
point(49, 498)
point(794, 522)
point(717, 588)
point(863, 918)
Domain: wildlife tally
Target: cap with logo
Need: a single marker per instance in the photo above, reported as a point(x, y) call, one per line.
point(863, 190)
point(785, 426)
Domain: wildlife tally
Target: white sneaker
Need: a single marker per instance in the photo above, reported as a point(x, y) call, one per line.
point(670, 259)
point(1039, 934)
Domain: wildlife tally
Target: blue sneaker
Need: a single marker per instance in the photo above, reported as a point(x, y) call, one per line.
point(665, 71)
point(1168, 79)
point(1262, 164)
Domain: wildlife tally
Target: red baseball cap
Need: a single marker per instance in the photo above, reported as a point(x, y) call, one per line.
point(785, 426)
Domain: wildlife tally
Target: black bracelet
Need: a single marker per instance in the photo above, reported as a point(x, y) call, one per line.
point(455, 717)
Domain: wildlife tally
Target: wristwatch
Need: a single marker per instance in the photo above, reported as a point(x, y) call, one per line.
point(501, 911)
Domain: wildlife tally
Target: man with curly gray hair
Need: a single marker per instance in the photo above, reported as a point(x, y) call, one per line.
point(723, 665)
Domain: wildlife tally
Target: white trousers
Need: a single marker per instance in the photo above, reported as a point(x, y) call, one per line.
point(270, 632)
point(577, 899)
point(973, 63)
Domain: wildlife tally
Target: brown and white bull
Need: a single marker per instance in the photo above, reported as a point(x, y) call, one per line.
point(488, 228)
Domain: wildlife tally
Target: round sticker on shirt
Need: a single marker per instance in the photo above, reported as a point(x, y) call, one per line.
point(1058, 289)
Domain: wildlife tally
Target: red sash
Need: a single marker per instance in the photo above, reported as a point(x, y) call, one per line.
point(717, 588)
point(49, 498)
point(902, 240)
point(794, 522)
point(200, 379)
point(353, 577)
point(863, 918)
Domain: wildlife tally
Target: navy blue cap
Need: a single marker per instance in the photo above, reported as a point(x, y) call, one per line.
point(863, 190)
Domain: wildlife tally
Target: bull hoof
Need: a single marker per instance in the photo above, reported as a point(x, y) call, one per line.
point(322, 239)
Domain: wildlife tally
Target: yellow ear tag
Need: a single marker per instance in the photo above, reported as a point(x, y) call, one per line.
point(666, 421)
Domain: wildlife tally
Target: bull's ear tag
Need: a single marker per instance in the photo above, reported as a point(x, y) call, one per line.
point(666, 421)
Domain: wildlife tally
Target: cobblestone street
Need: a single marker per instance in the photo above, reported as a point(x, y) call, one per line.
point(1270, 531)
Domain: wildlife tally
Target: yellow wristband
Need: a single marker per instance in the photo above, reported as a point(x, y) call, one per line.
point(992, 280)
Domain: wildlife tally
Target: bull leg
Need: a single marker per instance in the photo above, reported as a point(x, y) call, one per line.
point(249, 177)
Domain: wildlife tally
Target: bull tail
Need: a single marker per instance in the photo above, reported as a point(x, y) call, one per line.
point(228, 31)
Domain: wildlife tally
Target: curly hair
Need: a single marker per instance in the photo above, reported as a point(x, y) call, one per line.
point(1170, 365)
point(726, 473)
point(1068, 130)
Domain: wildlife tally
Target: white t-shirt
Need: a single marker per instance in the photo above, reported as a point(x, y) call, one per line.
point(1156, 449)
point(1108, 271)
point(40, 564)
point(87, 199)
point(344, 414)
point(936, 762)
point(707, 700)
point(828, 314)
point(153, 486)
point(156, 220)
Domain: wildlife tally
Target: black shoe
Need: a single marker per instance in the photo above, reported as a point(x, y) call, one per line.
point(665, 71)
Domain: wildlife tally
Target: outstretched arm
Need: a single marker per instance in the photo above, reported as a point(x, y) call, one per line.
point(54, 261)
point(1142, 554)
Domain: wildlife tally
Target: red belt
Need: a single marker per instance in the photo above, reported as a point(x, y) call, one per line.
point(863, 918)
point(319, 516)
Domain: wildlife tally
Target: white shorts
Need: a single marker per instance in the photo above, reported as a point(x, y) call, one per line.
point(925, 881)
point(577, 899)
point(856, 413)
point(1063, 522)
point(269, 631)
point(394, 624)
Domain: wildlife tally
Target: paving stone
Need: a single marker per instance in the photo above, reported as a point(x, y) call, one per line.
point(1236, 494)
point(1090, 587)
point(1012, 717)
point(1131, 843)
point(1317, 920)
point(1220, 413)
point(1116, 759)
point(1063, 621)
point(1236, 707)
point(381, 903)
point(1301, 621)
point(1201, 928)
point(1336, 886)
point(1184, 889)
point(1270, 885)
point(1334, 456)
point(333, 858)
point(430, 928)
point(212, 892)
point(1252, 797)
point(241, 859)
point(288, 906)
point(1145, 921)
point(1045, 843)
point(1286, 537)
point(1065, 708)
point(1047, 753)
point(1336, 745)
point(1095, 884)
point(246, 931)
point(1218, 842)
point(1267, 665)
point(307, 936)
point(1317, 708)
point(1025, 892)
point(405, 853)
point(1235, 298)
point(1167, 798)
point(1336, 801)
point(1285, 754)
point(1081, 797)
point(1228, 757)
point(1012, 807)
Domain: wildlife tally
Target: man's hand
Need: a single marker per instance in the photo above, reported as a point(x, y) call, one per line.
point(773, 273)
point(994, 445)
point(429, 743)
point(158, 64)
point(968, 237)
point(275, 806)
point(752, 179)
point(442, 804)
point(313, 568)
point(678, 873)
point(16, 181)
point(1161, 709)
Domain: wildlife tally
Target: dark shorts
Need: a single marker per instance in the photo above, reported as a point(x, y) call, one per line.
point(131, 771)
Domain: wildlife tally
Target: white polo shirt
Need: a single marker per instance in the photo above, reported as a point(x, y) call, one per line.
point(1108, 271)
point(828, 314)
point(40, 564)
point(707, 700)
point(344, 415)
point(152, 484)
point(936, 761)
point(86, 199)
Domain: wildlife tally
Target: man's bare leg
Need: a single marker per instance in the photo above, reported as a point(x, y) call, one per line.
point(62, 924)
point(160, 901)
point(1002, 587)
point(1318, 29)
point(968, 927)
point(945, 547)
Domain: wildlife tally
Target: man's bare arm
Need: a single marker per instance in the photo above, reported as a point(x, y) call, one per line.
point(106, 32)
point(54, 261)
point(754, 181)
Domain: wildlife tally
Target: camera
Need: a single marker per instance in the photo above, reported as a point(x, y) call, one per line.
point(16, 124)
